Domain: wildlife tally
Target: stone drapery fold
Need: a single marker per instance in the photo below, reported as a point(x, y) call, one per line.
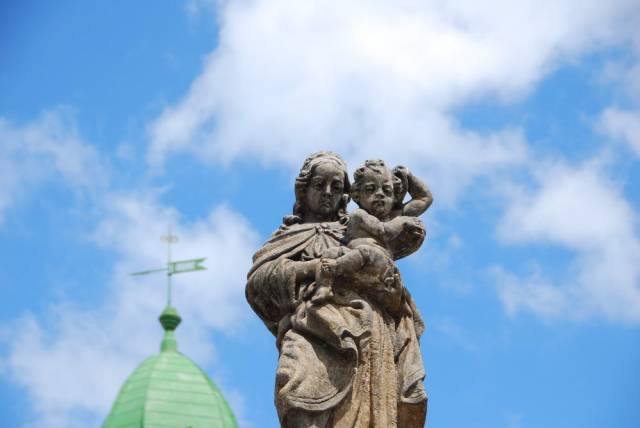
point(348, 362)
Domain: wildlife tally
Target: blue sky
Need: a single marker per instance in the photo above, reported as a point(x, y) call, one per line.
point(118, 118)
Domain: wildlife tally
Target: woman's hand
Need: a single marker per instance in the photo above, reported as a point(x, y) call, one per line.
point(306, 271)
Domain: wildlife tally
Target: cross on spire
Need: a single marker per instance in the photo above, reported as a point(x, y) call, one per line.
point(172, 267)
point(169, 239)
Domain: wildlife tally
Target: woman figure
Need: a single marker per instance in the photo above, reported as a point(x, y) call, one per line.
point(348, 361)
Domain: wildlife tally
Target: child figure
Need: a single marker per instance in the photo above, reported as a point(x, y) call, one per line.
point(378, 227)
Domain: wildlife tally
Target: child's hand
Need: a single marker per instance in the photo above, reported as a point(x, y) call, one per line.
point(401, 171)
point(416, 228)
point(401, 183)
point(412, 224)
point(394, 227)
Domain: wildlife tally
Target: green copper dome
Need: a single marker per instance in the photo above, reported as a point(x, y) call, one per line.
point(169, 390)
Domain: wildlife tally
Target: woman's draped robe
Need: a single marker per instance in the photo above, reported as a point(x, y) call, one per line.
point(348, 362)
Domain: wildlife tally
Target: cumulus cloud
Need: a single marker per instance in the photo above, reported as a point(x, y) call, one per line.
point(215, 297)
point(533, 293)
point(579, 209)
point(623, 125)
point(72, 359)
point(456, 333)
point(196, 8)
point(363, 77)
point(47, 149)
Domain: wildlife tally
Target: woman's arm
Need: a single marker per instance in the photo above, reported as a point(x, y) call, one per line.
point(306, 271)
point(274, 289)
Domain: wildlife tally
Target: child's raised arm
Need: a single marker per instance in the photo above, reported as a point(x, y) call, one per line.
point(421, 197)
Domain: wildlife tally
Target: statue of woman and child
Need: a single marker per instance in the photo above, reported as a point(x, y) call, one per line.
point(327, 286)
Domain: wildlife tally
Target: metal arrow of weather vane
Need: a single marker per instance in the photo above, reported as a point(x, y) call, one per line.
point(174, 267)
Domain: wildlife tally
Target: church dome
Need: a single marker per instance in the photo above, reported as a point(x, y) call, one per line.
point(169, 390)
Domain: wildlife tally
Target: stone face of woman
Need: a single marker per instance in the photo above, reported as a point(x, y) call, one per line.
point(324, 192)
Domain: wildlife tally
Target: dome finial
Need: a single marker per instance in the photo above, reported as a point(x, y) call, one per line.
point(170, 319)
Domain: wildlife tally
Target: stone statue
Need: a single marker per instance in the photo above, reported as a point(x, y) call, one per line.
point(326, 285)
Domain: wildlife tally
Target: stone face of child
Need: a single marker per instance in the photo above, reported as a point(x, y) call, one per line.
point(375, 192)
point(379, 193)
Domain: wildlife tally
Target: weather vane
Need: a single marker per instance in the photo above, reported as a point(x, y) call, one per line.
point(172, 267)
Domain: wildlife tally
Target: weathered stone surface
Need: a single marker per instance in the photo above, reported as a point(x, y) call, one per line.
point(327, 286)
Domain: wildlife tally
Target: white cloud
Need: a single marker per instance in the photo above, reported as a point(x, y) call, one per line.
point(623, 125)
point(196, 8)
point(456, 334)
point(367, 77)
point(288, 78)
point(46, 149)
point(625, 74)
point(513, 420)
point(581, 210)
point(132, 228)
point(532, 293)
point(72, 361)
